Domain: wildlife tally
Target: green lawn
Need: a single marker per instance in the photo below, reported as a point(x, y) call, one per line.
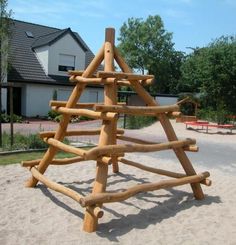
point(18, 157)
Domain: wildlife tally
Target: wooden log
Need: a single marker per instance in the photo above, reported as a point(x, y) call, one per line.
point(108, 128)
point(158, 171)
point(48, 134)
point(182, 101)
point(78, 105)
point(119, 82)
point(86, 80)
point(121, 196)
point(63, 161)
point(191, 148)
point(95, 211)
point(63, 147)
point(122, 75)
point(109, 150)
point(55, 186)
point(85, 112)
point(134, 140)
point(136, 110)
point(120, 61)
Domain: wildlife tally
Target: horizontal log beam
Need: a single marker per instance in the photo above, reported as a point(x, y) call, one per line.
point(48, 134)
point(85, 112)
point(103, 81)
point(136, 110)
point(63, 161)
point(159, 171)
point(122, 75)
point(192, 148)
point(101, 198)
point(63, 147)
point(134, 140)
point(78, 105)
point(109, 150)
point(58, 103)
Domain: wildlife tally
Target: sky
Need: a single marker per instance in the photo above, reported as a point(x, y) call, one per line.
point(194, 23)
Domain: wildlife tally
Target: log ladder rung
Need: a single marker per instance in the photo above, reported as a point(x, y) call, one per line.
point(85, 112)
point(136, 110)
point(109, 150)
point(106, 197)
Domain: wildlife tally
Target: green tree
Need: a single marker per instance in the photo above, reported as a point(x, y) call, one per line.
point(148, 47)
point(5, 23)
point(211, 71)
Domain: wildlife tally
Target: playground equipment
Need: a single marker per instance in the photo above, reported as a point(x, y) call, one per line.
point(184, 118)
point(108, 151)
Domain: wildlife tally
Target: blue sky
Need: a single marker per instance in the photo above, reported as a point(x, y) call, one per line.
point(192, 22)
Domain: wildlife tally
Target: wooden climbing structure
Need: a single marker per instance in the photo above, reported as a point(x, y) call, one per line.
point(108, 152)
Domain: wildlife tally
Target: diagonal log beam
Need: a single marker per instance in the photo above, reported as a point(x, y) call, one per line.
point(76, 93)
point(164, 120)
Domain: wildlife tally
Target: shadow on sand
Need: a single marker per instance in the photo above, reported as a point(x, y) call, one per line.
point(176, 201)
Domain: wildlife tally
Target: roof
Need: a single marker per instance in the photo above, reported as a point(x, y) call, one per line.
point(51, 38)
point(24, 65)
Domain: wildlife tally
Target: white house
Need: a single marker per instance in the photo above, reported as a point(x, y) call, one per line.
point(40, 57)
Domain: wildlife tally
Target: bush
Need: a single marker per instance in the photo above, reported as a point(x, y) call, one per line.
point(5, 118)
point(53, 114)
point(24, 142)
point(219, 116)
point(136, 122)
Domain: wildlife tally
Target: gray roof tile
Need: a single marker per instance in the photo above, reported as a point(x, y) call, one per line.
point(24, 65)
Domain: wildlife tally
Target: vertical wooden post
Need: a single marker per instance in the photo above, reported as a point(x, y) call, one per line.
point(108, 129)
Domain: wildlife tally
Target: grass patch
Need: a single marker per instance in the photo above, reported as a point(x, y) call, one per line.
point(18, 157)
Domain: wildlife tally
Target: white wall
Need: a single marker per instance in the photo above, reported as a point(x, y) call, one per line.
point(89, 95)
point(65, 45)
point(36, 97)
point(42, 55)
point(166, 100)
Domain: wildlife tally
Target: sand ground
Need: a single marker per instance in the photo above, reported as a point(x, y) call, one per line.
point(171, 216)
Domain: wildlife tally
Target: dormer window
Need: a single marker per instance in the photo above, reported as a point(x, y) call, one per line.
point(66, 62)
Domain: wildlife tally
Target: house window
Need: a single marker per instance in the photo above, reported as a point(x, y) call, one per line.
point(66, 62)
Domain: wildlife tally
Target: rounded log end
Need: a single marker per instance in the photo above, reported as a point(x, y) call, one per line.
point(82, 202)
point(29, 183)
point(72, 78)
point(22, 164)
point(208, 182)
point(98, 212)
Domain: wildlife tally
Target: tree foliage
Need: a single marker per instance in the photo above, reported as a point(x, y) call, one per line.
point(4, 47)
point(148, 47)
point(5, 23)
point(211, 71)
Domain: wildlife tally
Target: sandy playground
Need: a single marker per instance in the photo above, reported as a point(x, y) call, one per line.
point(172, 216)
